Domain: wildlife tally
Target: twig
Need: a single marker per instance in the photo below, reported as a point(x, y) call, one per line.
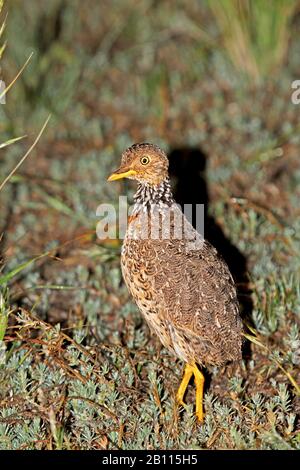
point(254, 339)
point(103, 408)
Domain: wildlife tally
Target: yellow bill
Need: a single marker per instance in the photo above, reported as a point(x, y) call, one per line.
point(119, 174)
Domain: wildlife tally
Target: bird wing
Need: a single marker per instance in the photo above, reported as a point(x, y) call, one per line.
point(200, 298)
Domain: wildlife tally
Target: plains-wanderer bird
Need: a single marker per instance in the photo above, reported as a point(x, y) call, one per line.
point(180, 283)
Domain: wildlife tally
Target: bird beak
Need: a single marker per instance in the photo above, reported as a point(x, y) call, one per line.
point(121, 173)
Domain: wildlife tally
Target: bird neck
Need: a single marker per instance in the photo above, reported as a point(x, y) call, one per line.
point(149, 195)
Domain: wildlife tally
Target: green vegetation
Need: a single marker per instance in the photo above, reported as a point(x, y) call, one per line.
point(255, 34)
point(79, 368)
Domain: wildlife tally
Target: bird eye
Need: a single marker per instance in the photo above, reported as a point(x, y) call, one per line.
point(145, 160)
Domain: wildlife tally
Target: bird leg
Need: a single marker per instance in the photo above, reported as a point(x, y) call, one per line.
point(192, 369)
point(199, 381)
point(188, 372)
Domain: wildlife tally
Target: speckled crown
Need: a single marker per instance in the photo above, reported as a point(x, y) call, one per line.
point(140, 148)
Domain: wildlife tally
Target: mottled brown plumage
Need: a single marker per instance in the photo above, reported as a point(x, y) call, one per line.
point(181, 285)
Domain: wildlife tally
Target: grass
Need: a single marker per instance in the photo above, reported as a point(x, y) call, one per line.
point(79, 368)
point(255, 36)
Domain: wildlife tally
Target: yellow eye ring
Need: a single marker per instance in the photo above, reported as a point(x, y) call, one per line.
point(145, 160)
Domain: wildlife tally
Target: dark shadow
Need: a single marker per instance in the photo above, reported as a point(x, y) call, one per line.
point(187, 170)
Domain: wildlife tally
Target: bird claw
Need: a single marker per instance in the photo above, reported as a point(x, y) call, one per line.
point(180, 402)
point(200, 417)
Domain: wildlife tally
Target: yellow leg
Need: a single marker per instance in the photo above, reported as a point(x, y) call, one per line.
point(199, 381)
point(188, 372)
point(192, 369)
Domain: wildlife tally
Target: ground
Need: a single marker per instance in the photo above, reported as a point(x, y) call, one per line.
point(79, 368)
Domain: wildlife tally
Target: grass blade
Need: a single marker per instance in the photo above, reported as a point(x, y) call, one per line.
point(16, 77)
point(26, 154)
point(11, 274)
point(3, 316)
point(12, 141)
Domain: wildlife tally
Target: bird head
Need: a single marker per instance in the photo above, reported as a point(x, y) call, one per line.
point(146, 163)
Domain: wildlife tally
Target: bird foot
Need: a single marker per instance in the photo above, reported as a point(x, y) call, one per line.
point(200, 417)
point(199, 381)
point(180, 401)
point(199, 414)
